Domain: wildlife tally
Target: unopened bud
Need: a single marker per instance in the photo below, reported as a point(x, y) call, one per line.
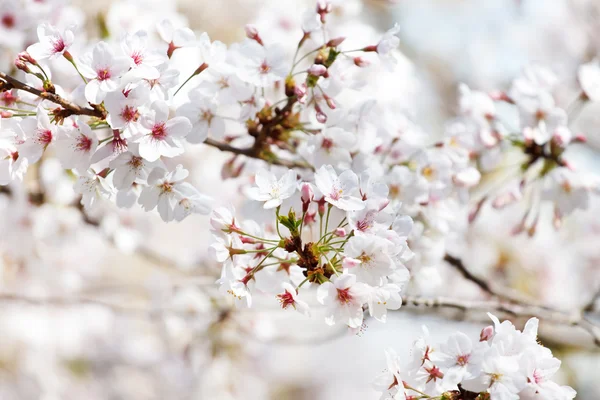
point(321, 207)
point(321, 117)
point(340, 232)
point(336, 42)
point(330, 102)
point(300, 92)
point(307, 195)
point(22, 66)
point(501, 96)
point(361, 62)
point(26, 57)
point(252, 33)
point(317, 70)
point(580, 138)
point(200, 68)
point(486, 333)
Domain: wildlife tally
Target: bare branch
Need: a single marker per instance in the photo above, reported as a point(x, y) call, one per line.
point(501, 293)
point(67, 105)
point(251, 152)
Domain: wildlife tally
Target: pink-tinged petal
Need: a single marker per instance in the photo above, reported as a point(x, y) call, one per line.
point(178, 127)
point(93, 93)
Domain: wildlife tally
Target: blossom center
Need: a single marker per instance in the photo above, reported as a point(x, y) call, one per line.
point(158, 131)
point(84, 143)
point(344, 296)
point(136, 162)
point(264, 68)
point(130, 114)
point(44, 137)
point(327, 144)
point(137, 58)
point(103, 74)
point(463, 359)
point(58, 45)
point(206, 115)
point(223, 83)
point(166, 187)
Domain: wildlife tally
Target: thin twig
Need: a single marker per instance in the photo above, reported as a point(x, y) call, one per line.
point(501, 293)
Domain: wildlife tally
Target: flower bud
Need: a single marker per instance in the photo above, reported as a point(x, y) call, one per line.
point(22, 66)
point(361, 62)
point(330, 102)
point(340, 232)
point(321, 208)
point(317, 70)
point(335, 42)
point(300, 92)
point(252, 33)
point(321, 117)
point(306, 194)
point(26, 57)
point(486, 333)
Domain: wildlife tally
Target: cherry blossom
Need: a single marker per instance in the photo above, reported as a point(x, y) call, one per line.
point(162, 136)
point(343, 297)
point(103, 69)
point(52, 42)
point(75, 147)
point(339, 190)
point(272, 190)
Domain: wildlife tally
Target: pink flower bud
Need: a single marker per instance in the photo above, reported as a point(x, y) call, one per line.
point(330, 102)
point(307, 193)
point(321, 208)
point(335, 42)
point(26, 57)
point(372, 48)
point(361, 62)
point(340, 232)
point(22, 66)
point(486, 333)
point(321, 117)
point(501, 96)
point(252, 33)
point(317, 70)
point(300, 92)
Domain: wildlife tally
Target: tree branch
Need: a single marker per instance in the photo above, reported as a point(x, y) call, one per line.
point(515, 310)
point(503, 293)
point(67, 105)
point(251, 152)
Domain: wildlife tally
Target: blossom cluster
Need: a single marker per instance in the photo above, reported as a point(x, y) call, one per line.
point(502, 364)
point(340, 234)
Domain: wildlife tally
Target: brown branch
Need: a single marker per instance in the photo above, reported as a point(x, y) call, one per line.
point(591, 304)
point(12, 83)
point(250, 152)
point(501, 293)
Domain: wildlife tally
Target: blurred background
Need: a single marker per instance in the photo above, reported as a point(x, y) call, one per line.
point(114, 339)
